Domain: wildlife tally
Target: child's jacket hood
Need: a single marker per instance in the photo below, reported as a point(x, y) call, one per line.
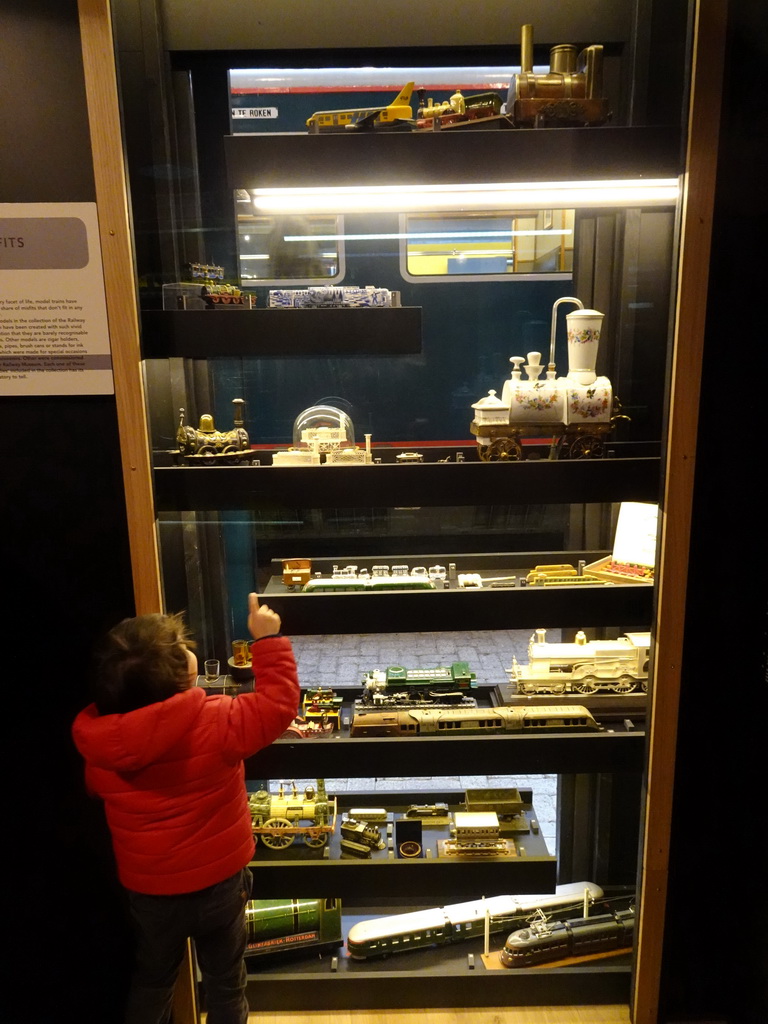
point(129, 742)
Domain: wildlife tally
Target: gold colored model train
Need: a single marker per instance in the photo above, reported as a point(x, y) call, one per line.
point(461, 721)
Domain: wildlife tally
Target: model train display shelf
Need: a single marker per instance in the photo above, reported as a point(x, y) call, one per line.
point(576, 413)
point(277, 819)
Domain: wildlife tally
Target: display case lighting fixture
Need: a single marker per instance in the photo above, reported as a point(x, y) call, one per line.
point(490, 196)
point(437, 236)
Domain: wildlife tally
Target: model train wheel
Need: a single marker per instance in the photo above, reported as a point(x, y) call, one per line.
point(587, 446)
point(624, 684)
point(504, 449)
point(586, 685)
point(316, 839)
point(558, 687)
point(275, 840)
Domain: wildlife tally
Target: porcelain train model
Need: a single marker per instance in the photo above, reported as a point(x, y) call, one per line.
point(577, 413)
point(584, 666)
point(463, 721)
point(544, 940)
point(457, 922)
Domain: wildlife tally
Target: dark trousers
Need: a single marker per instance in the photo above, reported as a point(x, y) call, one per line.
point(215, 919)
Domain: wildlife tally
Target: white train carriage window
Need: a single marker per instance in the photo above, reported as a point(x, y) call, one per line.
point(287, 250)
point(528, 245)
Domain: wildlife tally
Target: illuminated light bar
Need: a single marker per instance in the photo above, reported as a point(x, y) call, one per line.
point(426, 235)
point(514, 195)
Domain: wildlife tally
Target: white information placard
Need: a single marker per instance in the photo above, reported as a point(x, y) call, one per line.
point(636, 530)
point(54, 337)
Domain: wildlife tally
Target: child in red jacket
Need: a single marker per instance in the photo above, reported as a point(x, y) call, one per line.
point(167, 760)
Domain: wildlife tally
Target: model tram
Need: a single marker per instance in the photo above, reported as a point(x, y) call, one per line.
point(544, 940)
point(457, 922)
point(463, 721)
point(584, 666)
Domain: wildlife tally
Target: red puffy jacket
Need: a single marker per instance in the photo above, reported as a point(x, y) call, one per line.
point(172, 779)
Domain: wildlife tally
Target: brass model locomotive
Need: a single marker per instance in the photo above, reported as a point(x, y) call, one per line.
point(208, 445)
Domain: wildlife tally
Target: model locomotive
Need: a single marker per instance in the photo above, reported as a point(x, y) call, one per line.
point(277, 818)
point(208, 445)
point(463, 721)
point(457, 922)
point(576, 413)
point(584, 666)
point(397, 685)
point(274, 926)
point(544, 940)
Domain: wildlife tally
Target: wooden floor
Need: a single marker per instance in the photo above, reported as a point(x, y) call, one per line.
point(487, 1015)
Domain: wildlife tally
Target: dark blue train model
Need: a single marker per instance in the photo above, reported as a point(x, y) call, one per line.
point(544, 941)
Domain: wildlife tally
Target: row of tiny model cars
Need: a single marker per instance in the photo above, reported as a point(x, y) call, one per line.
point(576, 922)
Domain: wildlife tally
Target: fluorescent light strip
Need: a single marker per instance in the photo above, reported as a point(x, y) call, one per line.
point(437, 235)
point(540, 195)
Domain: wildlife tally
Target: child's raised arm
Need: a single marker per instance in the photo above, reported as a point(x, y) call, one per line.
point(262, 621)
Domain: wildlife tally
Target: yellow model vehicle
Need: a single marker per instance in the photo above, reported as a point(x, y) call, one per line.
point(339, 120)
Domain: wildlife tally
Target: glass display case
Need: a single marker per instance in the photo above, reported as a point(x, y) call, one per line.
point(341, 429)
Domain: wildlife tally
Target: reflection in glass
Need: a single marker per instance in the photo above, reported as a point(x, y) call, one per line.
point(526, 242)
point(273, 250)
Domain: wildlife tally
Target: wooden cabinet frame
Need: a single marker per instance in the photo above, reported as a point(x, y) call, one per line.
point(680, 442)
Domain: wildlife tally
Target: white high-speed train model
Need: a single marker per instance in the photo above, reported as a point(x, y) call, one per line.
point(459, 921)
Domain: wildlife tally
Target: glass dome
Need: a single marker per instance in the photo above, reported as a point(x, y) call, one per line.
point(323, 428)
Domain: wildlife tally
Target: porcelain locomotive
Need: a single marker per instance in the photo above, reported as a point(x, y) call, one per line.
point(584, 666)
point(576, 412)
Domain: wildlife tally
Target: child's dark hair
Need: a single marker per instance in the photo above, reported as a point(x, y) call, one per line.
point(139, 662)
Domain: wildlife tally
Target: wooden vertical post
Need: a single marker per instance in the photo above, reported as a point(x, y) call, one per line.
point(692, 280)
point(122, 313)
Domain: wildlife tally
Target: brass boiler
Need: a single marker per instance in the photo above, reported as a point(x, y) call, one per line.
point(570, 94)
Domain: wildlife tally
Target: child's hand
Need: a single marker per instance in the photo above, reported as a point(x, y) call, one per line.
point(262, 621)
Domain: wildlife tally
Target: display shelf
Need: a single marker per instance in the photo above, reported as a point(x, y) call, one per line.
point(280, 160)
point(334, 981)
point(532, 869)
point(236, 331)
point(539, 481)
point(617, 749)
point(628, 606)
